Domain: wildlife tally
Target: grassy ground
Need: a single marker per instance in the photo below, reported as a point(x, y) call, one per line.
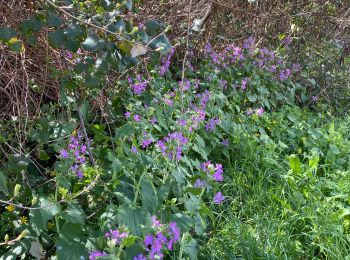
point(289, 193)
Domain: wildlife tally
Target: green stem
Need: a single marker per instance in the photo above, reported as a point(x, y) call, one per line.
point(182, 245)
point(56, 217)
point(138, 188)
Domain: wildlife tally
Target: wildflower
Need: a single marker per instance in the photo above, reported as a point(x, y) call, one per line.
point(225, 142)
point(23, 220)
point(213, 122)
point(10, 208)
point(259, 111)
point(166, 63)
point(140, 257)
point(116, 236)
point(218, 198)
point(314, 98)
point(156, 223)
point(146, 143)
point(154, 121)
point(217, 176)
point(64, 153)
point(137, 118)
point(94, 254)
point(244, 83)
point(127, 114)
point(200, 184)
point(134, 149)
point(69, 55)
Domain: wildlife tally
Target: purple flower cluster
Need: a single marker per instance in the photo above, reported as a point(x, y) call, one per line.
point(172, 145)
point(138, 86)
point(216, 172)
point(116, 236)
point(259, 111)
point(213, 122)
point(76, 150)
point(94, 254)
point(166, 63)
point(165, 238)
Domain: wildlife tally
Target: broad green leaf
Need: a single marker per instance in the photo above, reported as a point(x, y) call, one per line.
point(93, 43)
point(56, 38)
point(205, 211)
point(53, 20)
point(154, 27)
point(148, 196)
point(71, 243)
point(3, 184)
point(6, 33)
point(16, 45)
point(133, 218)
point(191, 248)
point(47, 211)
point(183, 221)
point(295, 164)
point(74, 214)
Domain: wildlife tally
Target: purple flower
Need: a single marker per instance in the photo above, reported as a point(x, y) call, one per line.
point(140, 257)
point(218, 171)
point(148, 240)
point(80, 174)
point(225, 142)
point(116, 236)
point(260, 111)
point(218, 198)
point(213, 122)
point(314, 98)
point(94, 254)
point(137, 118)
point(156, 222)
point(200, 184)
point(154, 121)
point(166, 63)
point(127, 114)
point(69, 55)
point(286, 41)
point(146, 143)
point(64, 154)
point(244, 83)
point(139, 86)
point(134, 149)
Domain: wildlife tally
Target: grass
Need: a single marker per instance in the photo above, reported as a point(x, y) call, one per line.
point(276, 212)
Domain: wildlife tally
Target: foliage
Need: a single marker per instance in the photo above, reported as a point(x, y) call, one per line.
point(158, 175)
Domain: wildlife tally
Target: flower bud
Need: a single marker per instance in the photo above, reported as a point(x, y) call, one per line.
point(34, 200)
point(17, 189)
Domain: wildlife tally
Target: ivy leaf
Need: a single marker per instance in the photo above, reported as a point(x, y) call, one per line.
point(93, 43)
point(138, 50)
point(154, 27)
point(56, 38)
point(53, 20)
point(16, 45)
point(6, 33)
point(161, 43)
point(3, 184)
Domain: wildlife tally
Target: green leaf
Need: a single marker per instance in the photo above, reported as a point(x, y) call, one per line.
point(154, 27)
point(295, 164)
point(133, 218)
point(56, 38)
point(191, 248)
point(3, 184)
point(53, 20)
point(74, 214)
point(148, 196)
point(47, 211)
point(71, 243)
point(183, 221)
point(6, 33)
point(93, 43)
point(205, 211)
point(16, 45)
point(161, 43)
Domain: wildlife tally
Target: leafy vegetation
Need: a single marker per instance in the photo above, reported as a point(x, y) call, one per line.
point(227, 157)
